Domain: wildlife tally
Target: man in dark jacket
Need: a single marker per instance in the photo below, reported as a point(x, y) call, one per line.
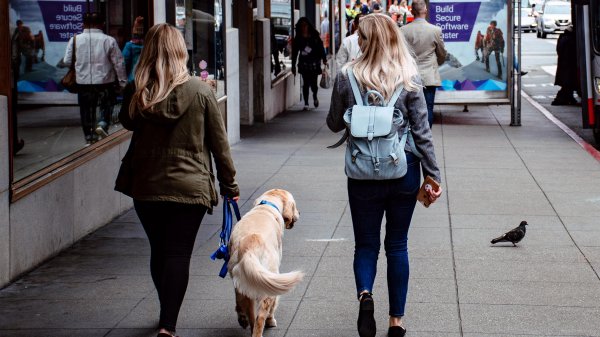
point(566, 67)
point(494, 42)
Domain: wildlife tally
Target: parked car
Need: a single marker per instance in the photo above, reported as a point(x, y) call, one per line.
point(555, 17)
point(528, 23)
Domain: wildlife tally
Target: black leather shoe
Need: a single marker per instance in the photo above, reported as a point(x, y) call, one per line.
point(366, 317)
point(396, 331)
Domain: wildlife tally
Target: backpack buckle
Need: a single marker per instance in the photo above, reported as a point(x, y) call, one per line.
point(395, 159)
point(354, 154)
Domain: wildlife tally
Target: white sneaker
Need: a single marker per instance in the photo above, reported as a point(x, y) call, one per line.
point(306, 107)
point(101, 132)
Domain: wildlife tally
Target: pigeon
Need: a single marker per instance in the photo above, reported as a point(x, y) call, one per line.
point(514, 235)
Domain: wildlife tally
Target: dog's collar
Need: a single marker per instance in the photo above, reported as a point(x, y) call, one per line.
point(265, 202)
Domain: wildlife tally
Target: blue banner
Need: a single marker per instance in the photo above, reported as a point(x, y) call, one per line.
point(455, 19)
point(62, 19)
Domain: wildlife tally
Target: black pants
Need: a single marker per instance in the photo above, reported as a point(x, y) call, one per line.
point(90, 98)
point(310, 82)
point(171, 228)
point(498, 64)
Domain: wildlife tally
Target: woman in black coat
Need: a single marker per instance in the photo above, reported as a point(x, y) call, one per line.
point(566, 68)
point(308, 48)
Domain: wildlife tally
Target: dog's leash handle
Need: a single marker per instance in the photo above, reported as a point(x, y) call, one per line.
point(223, 251)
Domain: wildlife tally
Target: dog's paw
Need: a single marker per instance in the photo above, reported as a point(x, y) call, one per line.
point(271, 322)
point(243, 320)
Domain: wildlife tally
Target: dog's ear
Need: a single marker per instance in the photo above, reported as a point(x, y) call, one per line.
point(290, 211)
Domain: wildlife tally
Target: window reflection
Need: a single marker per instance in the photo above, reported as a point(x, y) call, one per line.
point(281, 37)
point(50, 123)
point(201, 23)
point(325, 28)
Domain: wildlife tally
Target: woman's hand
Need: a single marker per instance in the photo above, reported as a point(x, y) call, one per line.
point(431, 194)
point(236, 198)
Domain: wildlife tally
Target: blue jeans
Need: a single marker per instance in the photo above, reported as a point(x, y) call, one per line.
point(429, 93)
point(369, 200)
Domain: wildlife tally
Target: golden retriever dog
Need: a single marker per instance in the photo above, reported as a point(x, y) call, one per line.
point(256, 251)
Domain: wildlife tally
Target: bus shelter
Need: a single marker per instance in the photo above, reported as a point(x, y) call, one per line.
point(478, 35)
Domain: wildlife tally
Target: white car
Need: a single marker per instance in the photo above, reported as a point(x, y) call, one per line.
point(555, 17)
point(528, 23)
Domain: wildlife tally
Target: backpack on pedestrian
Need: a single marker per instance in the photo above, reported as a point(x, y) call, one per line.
point(375, 150)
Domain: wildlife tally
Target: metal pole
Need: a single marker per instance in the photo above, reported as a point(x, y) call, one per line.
point(520, 69)
point(515, 116)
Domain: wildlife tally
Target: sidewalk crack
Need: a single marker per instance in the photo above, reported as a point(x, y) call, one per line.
point(460, 321)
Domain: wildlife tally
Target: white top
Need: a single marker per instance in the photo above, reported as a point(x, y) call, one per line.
point(349, 51)
point(324, 28)
point(98, 58)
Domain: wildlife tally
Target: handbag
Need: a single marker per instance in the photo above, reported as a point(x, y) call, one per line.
point(69, 81)
point(325, 79)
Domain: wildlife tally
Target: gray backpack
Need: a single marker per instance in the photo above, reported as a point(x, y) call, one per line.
point(374, 150)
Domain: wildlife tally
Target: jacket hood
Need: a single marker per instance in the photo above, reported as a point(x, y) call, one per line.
point(173, 107)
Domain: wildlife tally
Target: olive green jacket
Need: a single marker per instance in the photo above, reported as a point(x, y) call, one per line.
point(169, 158)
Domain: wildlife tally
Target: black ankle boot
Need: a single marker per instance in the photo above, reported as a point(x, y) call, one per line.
point(366, 320)
point(396, 331)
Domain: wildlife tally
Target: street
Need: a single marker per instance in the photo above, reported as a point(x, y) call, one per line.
point(539, 60)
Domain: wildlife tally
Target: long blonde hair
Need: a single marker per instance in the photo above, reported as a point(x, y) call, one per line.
point(386, 61)
point(161, 68)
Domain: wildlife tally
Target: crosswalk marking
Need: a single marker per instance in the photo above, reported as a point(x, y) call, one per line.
point(533, 85)
point(543, 97)
point(550, 69)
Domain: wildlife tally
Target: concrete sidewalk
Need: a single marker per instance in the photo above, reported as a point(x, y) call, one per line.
point(494, 176)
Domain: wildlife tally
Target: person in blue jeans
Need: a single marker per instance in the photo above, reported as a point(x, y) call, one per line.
point(384, 65)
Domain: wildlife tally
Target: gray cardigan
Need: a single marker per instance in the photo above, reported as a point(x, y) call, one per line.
point(413, 107)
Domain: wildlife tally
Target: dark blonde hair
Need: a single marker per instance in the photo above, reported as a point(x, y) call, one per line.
point(386, 61)
point(161, 68)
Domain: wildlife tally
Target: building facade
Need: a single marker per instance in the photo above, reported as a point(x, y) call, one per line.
point(56, 184)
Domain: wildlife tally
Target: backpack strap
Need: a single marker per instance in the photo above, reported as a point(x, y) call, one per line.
point(356, 91)
point(395, 96)
point(354, 86)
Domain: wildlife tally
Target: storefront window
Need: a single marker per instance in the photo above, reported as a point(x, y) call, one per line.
point(201, 23)
point(50, 123)
point(281, 37)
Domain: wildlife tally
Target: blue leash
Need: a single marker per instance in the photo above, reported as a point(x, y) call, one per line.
point(223, 251)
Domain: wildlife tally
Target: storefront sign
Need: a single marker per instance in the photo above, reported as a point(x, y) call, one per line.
point(62, 19)
point(476, 36)
point(455, 18)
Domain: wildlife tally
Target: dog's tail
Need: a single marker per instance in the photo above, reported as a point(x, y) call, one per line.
point(254, 280)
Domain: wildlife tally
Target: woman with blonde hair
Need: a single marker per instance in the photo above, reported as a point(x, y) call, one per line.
point(385, 65)
point(177, 128)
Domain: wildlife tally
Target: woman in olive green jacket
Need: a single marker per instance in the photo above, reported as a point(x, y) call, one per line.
point(167, 170)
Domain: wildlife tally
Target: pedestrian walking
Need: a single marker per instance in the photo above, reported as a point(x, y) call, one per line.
point(566, 68)
point(325, 32)
point(167, 170)
point(385, 65)
point(133, 48)
point(427, 44)
point(308, 51)
point(349, 50)
point(394, 10)
point(99, 68)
